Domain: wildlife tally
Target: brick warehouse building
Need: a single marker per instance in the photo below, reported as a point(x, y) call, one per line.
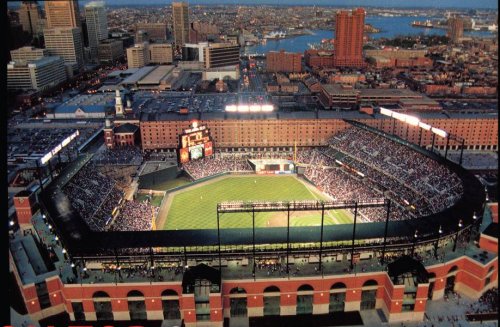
point(160, 131)
point(285, 62)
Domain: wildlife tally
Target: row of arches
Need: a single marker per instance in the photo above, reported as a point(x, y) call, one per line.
point(136, 305)
point(305, 297)
point(303, 287)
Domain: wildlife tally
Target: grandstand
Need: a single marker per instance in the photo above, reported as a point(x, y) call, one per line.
point(400, 200)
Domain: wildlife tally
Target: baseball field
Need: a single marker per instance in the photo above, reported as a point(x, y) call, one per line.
point(195, 207)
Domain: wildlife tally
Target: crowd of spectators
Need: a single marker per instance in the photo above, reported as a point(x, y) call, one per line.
point(342, 184)
point(94, 196)
point(360, 165)
point(420, 181)
point(212, 166)
point(160, 156)
point(126, 155)
point(135, 216)
point(487, 303)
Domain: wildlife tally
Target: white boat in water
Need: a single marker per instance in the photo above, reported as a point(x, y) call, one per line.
point(275, 35)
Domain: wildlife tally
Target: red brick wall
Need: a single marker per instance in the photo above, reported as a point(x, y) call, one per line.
point(24, 209)
point(314, 132)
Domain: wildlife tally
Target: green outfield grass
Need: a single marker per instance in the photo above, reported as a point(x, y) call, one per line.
point(196, 207)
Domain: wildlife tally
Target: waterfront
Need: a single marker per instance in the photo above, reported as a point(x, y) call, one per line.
point(389, 27)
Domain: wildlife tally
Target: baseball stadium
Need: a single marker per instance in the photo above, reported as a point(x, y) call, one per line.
point(287, 235)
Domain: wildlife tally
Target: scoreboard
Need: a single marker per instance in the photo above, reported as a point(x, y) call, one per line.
point(195, 143)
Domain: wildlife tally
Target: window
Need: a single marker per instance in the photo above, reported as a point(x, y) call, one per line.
point(78, 310)
point(43, 295)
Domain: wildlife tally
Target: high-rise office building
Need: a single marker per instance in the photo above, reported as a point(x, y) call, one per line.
point(97, 25)
point(160, 53)
point(66, 43)
point(138, 55)
point(36, 74)
point(221, 55)
point(455, 28)
point(28, 54)
point(62, 13)
point(30, 16)
point(110, 50)
point(349, 26)
point(142, 54)
point(180, 14)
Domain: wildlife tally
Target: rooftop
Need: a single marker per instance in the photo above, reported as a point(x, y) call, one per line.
point(156, 75)
point(126, 128)
point(138, 75)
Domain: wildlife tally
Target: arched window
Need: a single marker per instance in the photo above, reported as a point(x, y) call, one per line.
point(271, 289)
point(368, 296)
point(100, 294)
point(305, 287)
point(271, 302)
point(432, 278)
point(136, 308)
point(238, 302)
point(338, 286)
point(169, 293)
point(170, 305)
point(102, 306)
point(135, 293)
point(238, 290)
point(370, 282)
point(452, 269)
point(305, 300)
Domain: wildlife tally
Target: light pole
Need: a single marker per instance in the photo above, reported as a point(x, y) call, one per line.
point(415, 236)
point(456, 235)
point(440, 231)
point(472, 234)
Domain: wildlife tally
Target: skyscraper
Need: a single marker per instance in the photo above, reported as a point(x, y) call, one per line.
point(29, 17)
point(138, 55)
point(349, 38)
point(455, 28)
point(181, 22)
point(66, 43)
point(97, 25)
point(62, 14)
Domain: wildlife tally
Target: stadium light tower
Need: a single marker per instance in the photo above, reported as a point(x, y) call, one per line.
point(475, 226)
point(354, 232)
point(415, 237)
point(385, 230)
point(460, 224)
point(440, 232)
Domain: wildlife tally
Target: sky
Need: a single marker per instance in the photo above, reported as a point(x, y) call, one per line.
point(472, 4)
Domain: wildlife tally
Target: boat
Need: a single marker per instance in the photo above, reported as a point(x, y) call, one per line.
point(275, 35)
point(426, 24)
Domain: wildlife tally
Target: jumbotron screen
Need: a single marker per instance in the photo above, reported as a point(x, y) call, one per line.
point(195, 143)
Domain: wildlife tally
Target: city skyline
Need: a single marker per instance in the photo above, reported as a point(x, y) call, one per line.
point(480, 4)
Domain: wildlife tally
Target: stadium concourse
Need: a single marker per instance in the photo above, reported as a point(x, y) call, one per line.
point(110, 266)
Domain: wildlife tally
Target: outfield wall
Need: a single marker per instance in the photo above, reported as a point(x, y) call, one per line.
point(147, 181)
